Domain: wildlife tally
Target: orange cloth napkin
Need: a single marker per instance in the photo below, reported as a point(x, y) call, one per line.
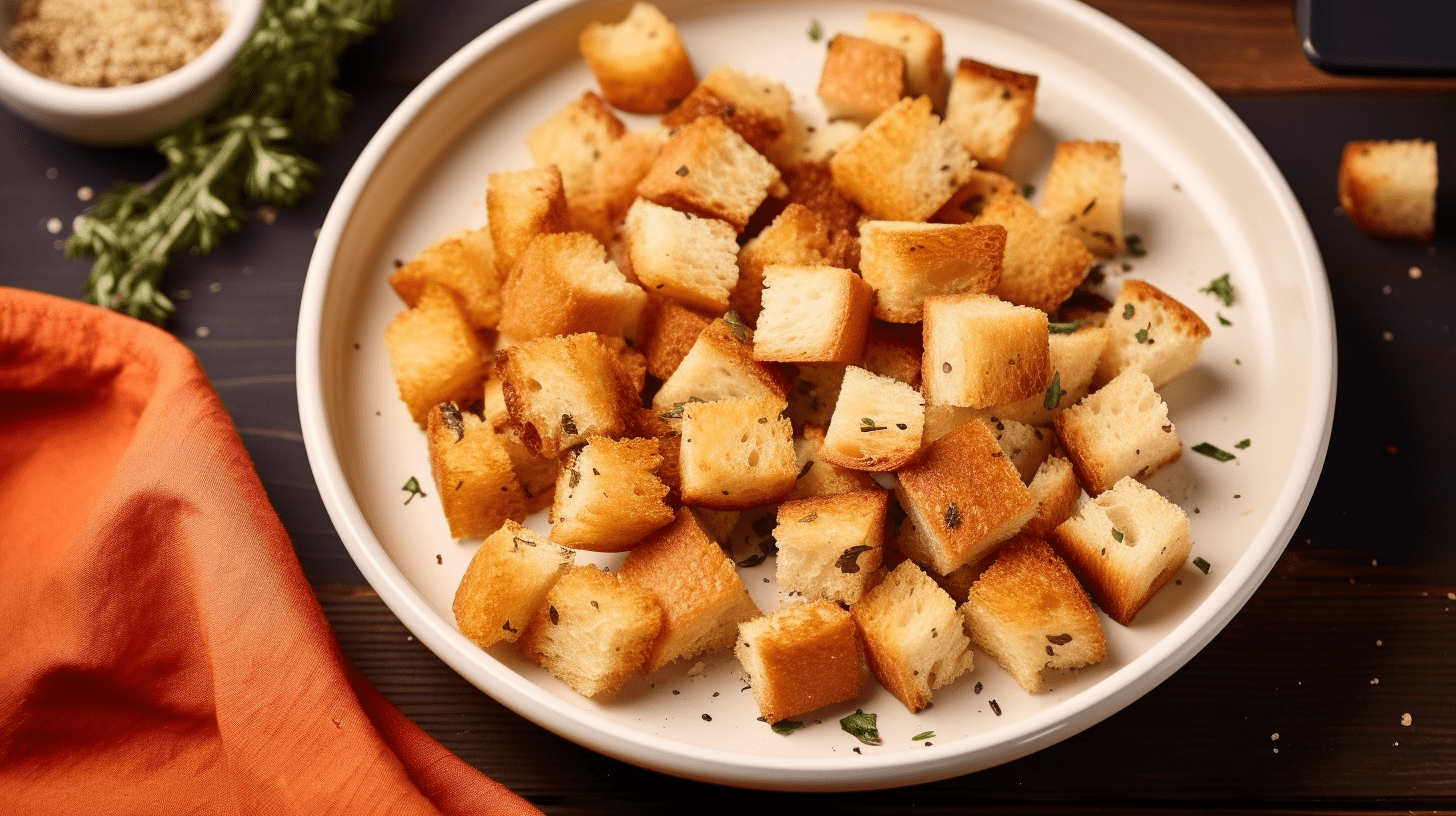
point(160, 650)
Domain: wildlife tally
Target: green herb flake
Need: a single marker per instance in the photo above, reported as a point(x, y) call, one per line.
point(815, 34)
point(862, 727)
point(786, 727)
point(1223, 321)
point(1220, 288)
point(1117, 535)
point(809, 519)
point(1142, 335)
point(1063, 328)
point(1128, 311)
point(1243, 443)
point(1053, 393)
point(923, 735)
point(413, 488)
point(1135, 245)
point(737, 326)
point(1213, 452)
point(1201, 564)
point(1027, 190)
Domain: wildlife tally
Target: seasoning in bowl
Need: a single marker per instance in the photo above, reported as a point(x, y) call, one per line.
point(106, 43)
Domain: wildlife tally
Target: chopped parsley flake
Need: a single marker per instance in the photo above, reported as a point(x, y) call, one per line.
point(786, 727)
point(815, 33)
point(1135, 245)
point(923, 735)
point(1243, 443)
point(1027, 190)
point(1063, 328)
point(736, 324)
point(1117, 535)
point(1128, 311)
point(1223, 321)
point(413, 488)
point(862, 727)
point(1220, 288)
point(1053, 393)
point(1201, 564)
point(1214, 452)
point(1142, 335)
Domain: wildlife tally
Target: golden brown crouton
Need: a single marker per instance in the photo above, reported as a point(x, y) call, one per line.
point(434, 352)
point(1083, 193)
point(736, 453)
point(473, 474)
point(561, 391)
point(1121, 429)
point(877, 423)
point(802, 657)
point(756, 107)
point(640, 62)
point(565, 284)
point(989, 109)
point(667, 332)
point(609, 496)
point(914, 639)
point(681, 256)
point(908, 262)
point(904, 165)
point(573, 139)
point(861, 78)
point(1043, 263)
point(796, 237)
point(707, 169)
point(1150, 331)
point(463, 262)
point(831, 546)
point(520, 205)
point(981, 351)
point(1388, 188)
point(813, 314)
point(923, 47)
point(508, 578)
point(593, 631)
point(720, 365)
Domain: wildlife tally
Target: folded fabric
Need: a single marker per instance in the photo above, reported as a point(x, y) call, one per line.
point(160, 650)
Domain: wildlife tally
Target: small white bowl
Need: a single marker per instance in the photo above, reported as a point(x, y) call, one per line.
point(129, 114)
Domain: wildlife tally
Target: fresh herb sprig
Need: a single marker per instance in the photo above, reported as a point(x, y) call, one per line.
point(283, 100)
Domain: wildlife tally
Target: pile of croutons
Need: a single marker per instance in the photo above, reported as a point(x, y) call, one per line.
point(863, 325)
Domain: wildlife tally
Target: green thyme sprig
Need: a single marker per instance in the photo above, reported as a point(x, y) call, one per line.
point(283, 100)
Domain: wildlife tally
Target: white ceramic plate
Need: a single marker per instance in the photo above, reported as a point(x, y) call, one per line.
point(1200, 191)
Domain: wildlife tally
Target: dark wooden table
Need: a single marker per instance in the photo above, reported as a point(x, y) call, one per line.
point(1364, 592)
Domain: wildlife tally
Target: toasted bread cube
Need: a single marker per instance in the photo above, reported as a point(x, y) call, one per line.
point(573, 139)
point(1055, 489)
point(796, 237)
point(1083, 193)
point(506, 582)
point(608, 496)
point(861, 78)
point(802, 657)
point(593, 631)
point(894, 351)
point(708, 170)
point(521, 204)
point(434, 352)
point(667, 332)
point(1152, 332)
point(1124, 545)
point(1029, 614)
point(1027, 446)
point(981, 351)
point(1043, 263)
point(756, 107)
point(1388, 188)
point(831, 546)
point(1074, 359)
point(804, 143)
point(923, 47)
point(904, 165)
point(811, 184)
point(561, 391)
point(942, 419)
point(878, 423)
point(1122, 429)
point(566, 284)
point(694, 260)
point(640, 63)
point(815, 393)
point(464, 262)
point(970, 198)
point(964, 497)
point(623, 165)
point(694, 581)
point(957, 583)
point(813, 314)
point(473, 474)
point(989, 109)
point(819, 477)
point(736, 453)
point(908, 262)
point(914, 638)
point(720, 365)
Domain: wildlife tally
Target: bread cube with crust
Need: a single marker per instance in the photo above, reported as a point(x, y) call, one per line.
point(1074, 360)
point(813, 314)
point(914, 638)
point(608, 496)
point(463, 262)
point(894, 350)
point(473, 473)
point(1043, 263)
point(904, 165)
point(593, 631)
point(818, 476)
point(696, 585)
point(736, 453)
point(755, 107)
point(964, 497)
point(1150, 331)
point(831, 546)
point(1388, 188)
point(1027, 446)
point(878, 423)
point(805, 143)
point(861, 78)
point(1124, 545)
point(1029, 614)
point(507, 580)
point(981, 351)
point(796, 237)
point(708, 170)
point(1083, 193)
point(811, 184)
point(434, 352)
point(520, 205)
point(667, 331)
point(970, 198)
point(907, 262)
point(573, 139)
point(1055, 489)
point(923, 47)
point(566, 284)
point(1121, 429)
point(802, 657)
point(720, 365)
point(682, 256)
point(562, 391)
point(640, 63)
point(989, 110)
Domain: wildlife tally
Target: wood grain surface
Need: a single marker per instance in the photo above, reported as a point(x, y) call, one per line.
point(1364, 592)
